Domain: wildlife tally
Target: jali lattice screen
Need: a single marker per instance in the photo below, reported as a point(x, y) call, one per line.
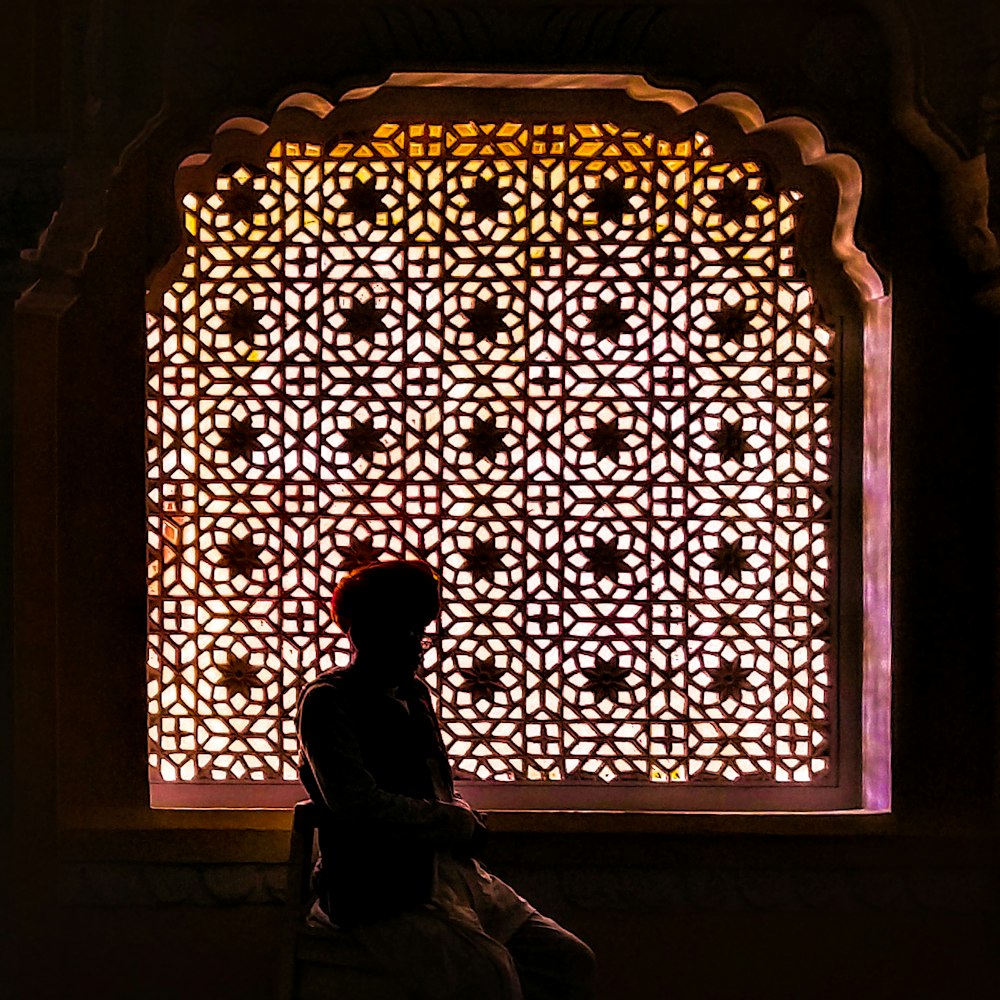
point(574, 366)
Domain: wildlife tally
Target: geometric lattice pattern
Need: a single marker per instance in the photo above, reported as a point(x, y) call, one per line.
point(575, 367)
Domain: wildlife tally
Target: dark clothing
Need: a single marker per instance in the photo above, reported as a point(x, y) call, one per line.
point(376, 767)
point(551, 963)
point(389, 826)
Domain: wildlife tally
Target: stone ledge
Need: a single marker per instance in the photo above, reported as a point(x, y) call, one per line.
point(677, 890)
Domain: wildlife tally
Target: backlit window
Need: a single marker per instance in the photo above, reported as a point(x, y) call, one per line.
point(574, 363)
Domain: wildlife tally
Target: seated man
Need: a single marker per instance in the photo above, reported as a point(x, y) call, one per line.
point(396, 843)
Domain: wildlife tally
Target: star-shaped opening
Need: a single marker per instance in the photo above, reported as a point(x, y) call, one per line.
point(482, 680)
point(604, 559)
point(730, 441)
point(607, 439)
point(484, 320)
point(607, 321)
point(362, 320)
point(241, 201)
point(729, 679)
point(484, 198)
point(731, 324)
point(610, 200)
point(484, 439)
point(483, 559)
point(362, 439)
point(241, 556)
point(606, 679)
point(734, 200)
point(242, 322)
point(363, 200)
point(238, 675)
point(730, 560)
point(240, 438)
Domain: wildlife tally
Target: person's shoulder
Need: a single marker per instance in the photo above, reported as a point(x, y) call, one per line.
point(336, 681)
point(421, 692)
point(329, 699)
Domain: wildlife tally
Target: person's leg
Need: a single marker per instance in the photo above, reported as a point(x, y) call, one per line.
point(553, 963)
point(430, 955)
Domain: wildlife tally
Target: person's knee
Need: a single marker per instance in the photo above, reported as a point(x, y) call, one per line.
point(552, 961)
point(579, 961)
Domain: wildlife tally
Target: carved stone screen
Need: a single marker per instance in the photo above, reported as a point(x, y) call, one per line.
point(576, 367)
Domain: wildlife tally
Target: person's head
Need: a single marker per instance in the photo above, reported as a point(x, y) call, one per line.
point(384, 608)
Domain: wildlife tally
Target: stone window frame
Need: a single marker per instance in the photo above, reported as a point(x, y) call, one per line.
point(845, 279)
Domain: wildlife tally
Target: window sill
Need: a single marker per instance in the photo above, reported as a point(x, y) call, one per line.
point(261, 835)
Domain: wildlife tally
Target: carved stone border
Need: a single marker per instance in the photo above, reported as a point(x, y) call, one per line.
point(963, 180)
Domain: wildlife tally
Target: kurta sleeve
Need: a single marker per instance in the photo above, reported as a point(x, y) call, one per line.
point(331, 750)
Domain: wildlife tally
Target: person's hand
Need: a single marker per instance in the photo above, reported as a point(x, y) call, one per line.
point(465, 819)
point(480, 835)
point(472, 846)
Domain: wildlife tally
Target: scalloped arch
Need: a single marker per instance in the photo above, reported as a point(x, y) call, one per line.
point(794, 140)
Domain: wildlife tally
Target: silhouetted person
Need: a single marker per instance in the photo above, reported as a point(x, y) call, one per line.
point(396, 863)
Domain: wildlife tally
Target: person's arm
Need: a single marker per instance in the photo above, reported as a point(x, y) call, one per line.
point(330, 747)
point(476, 844)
